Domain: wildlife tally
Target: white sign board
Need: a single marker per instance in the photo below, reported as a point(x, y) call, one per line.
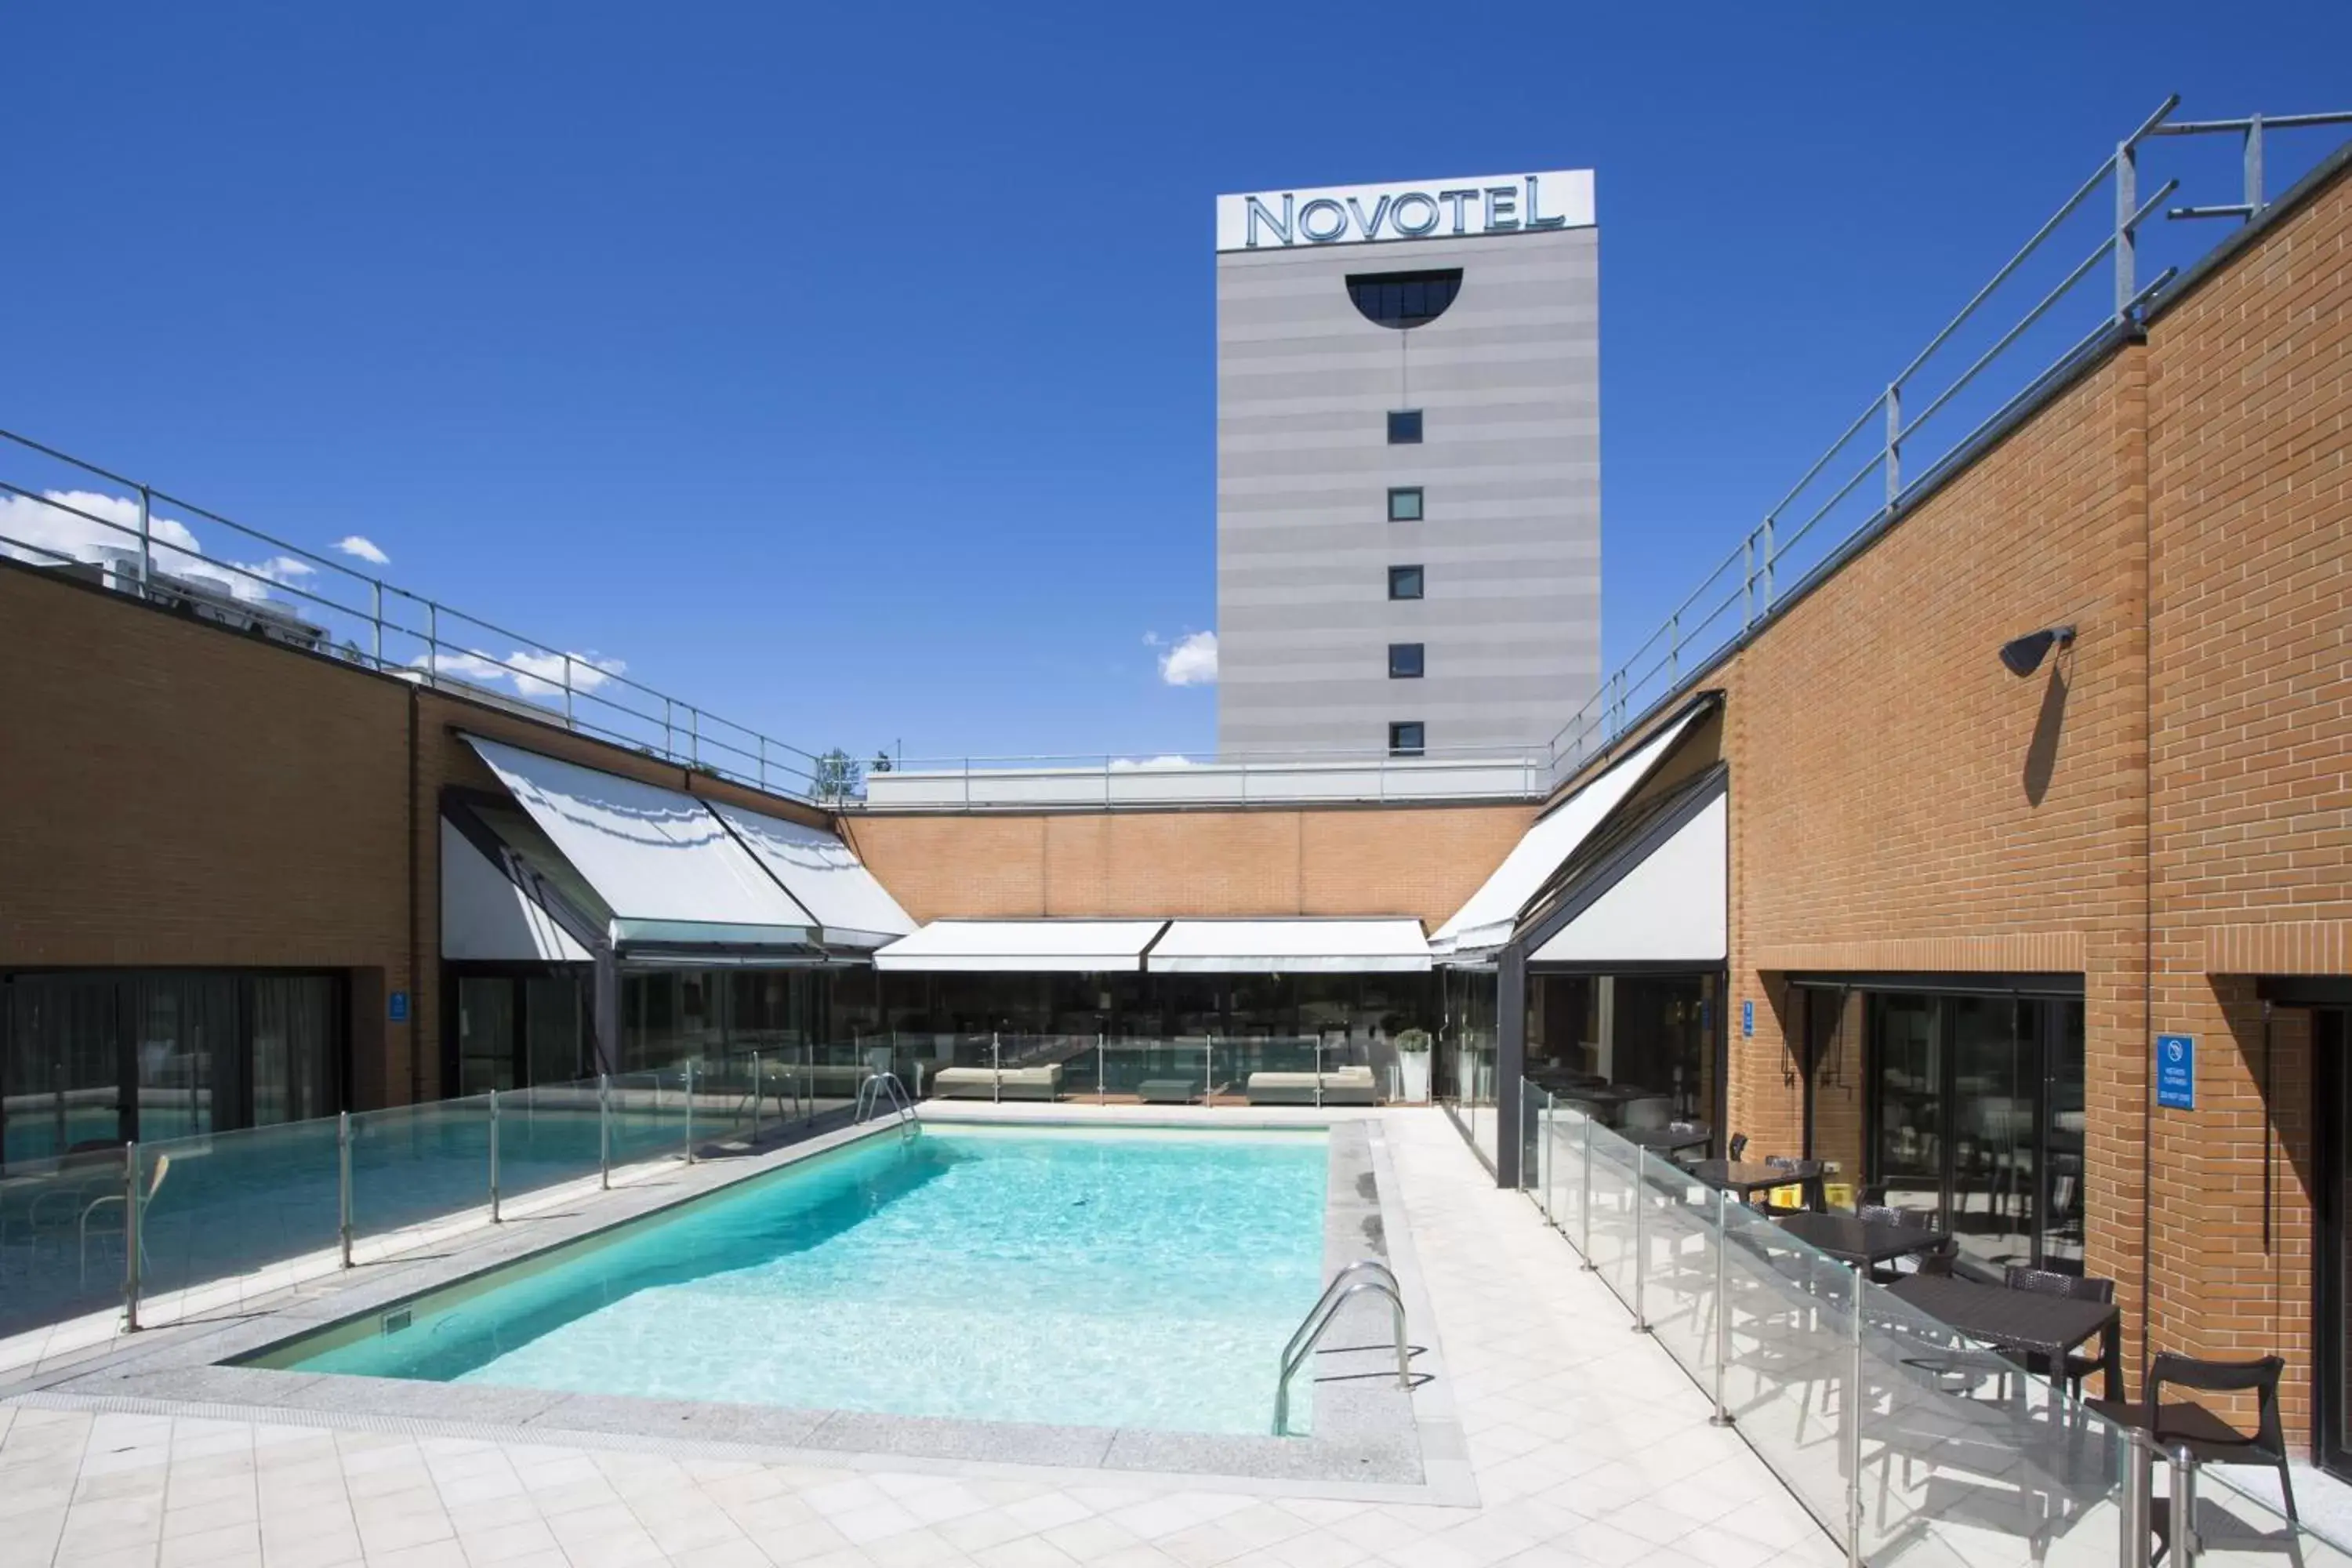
point(1430, 209)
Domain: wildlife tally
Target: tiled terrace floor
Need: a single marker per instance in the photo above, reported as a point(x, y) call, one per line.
point(1588, 1446)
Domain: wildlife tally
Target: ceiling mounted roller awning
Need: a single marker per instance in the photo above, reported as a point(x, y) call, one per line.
point(1303, 946)
point(1056, 947)
point(1662, 903)
point(824, 874)
point(1484, 923)
point(667, 870)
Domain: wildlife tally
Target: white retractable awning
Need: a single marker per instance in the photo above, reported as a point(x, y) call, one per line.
point(1060, 947)
point(824, 874)
point(1304, 946)
point(670, 870)
point(1668, 908)
point(1484, 923)
point(485, 917)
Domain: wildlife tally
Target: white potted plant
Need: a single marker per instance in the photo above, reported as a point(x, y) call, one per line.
point(1413, 1066)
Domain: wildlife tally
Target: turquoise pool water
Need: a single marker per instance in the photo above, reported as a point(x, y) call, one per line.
point(1132, 1279)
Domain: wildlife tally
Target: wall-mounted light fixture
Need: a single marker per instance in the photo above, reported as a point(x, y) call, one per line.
point(2024, 655)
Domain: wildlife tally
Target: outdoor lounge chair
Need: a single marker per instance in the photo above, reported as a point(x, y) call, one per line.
point(990, 1083)
point(1342, 1085)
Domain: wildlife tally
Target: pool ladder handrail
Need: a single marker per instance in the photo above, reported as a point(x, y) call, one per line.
point(871, 1095)
point(1319, 1318)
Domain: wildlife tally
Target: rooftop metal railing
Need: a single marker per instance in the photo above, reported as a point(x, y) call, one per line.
point(59, 511)
point(1808, 531)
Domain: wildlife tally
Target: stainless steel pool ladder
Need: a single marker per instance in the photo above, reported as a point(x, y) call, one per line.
point(1309, 1333)
point(883, 1088)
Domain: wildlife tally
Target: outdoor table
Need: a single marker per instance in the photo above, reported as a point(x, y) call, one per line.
point(1744, 1177)
point(1859, 1242)
point(2010, 1320)
point(1668, 1140)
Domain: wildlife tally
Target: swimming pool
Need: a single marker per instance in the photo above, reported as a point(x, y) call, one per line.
point(1131, 1278)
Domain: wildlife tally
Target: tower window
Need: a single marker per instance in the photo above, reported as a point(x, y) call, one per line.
point(1404, 427)
point(1404, 504)
point(1405, 740)
point(1404, 582)
point(1402, 300)
point(1404, 661)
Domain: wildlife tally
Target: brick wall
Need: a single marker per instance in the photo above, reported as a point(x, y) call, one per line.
point(1391, 860)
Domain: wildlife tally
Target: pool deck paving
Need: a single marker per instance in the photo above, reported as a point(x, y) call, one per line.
point(1550, 1433)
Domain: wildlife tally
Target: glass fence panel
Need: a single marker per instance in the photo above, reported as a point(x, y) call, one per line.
point(1964, 1451)
point(1789, 1328)
point(225, 1204)
point(1678, 1290)
point(1612, 1196)
point(418, 1162)
point(1157, 1072)
point(47, 1273)
point(548, 1135)
point(1566, 1133)
point(647, 1117)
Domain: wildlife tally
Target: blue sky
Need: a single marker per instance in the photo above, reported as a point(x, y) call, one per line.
point(850, 369)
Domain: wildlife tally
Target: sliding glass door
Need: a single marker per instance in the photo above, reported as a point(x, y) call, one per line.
point(1976, 1115)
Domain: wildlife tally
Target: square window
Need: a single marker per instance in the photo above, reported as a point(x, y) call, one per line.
point(1404, 582)
point(1404, 504)
point(1405, 661)
point(1405, 739)
point(1404, 427)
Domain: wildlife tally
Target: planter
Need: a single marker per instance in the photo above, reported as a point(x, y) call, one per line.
point(1413, 1076)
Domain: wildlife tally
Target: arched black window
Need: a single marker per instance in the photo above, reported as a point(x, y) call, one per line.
point(1403, 300)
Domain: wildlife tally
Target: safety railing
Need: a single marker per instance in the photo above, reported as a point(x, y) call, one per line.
point(60, 511)
point(1834, 504)
point(1903, 1437)
point(1365, 1276)
point(1100, 781)
point(216, 1218)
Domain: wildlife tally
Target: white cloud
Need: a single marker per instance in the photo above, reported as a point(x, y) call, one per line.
point(538, 676)
point(1151, 639)
point(1191, 661)
point(1165, 759)
point(366, 549)
point(72, 525)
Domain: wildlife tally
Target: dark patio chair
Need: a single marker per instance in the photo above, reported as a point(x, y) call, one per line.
point(1735, 1147)
point(2074, 1288)
point(2208, 1437)
point(1907, 1219)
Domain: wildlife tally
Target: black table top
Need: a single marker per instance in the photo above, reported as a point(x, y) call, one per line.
point(2013, 1320)
point(1852, 1240)
point(1745, 1176)
point(1610, 1093)
point(1666, 1140)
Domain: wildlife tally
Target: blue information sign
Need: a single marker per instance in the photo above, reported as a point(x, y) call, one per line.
point(399, 1010)
point(2176, 1072)
point(1747, 1020)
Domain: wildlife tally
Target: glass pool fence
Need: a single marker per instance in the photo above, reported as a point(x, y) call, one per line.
point(1907, 1441)
point(208, 1220)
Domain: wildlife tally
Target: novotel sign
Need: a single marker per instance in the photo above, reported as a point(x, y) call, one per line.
point(1437, 209)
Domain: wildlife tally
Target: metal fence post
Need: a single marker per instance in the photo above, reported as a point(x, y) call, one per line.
point(2135, 1517)
point(1102, 1086)
point(689, 1112)
point(995, 1069)
point(604, 1132)
point(764, 761)
point(1208, 1070)
point(755, 1099)
point(669, 740)
point(1748, 582)
point(1722, 1417)
point(2180, 1508)
point(146, 539)
point(375, 624)
point(343, 1181)
point(1544, 1123)
point(2254, 166)
point(1675, 648)
point(2127, 202)
point(1894, 442)
point(1768, 558)
point(432, 643)
point(495, 1216)
point(1585, 1207)
point(567, 691)
point(1641, 1245)
point(133, 1236)
point(1853, 1396)
point(1319, 1072)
